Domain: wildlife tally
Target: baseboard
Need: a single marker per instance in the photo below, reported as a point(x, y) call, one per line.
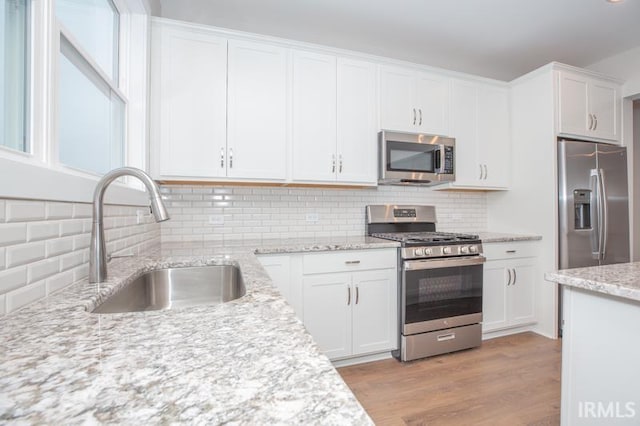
point(361, 359)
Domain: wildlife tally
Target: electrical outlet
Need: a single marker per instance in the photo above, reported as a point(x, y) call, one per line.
point(313, 217)
point(216, 219)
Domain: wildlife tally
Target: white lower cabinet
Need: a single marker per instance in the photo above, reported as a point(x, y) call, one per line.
point(347, 300)
point(351, 314)
point(508, 299)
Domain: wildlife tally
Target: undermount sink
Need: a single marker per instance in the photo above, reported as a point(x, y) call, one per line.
point(173, 288)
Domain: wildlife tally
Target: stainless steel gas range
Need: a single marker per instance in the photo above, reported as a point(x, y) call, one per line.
point(439, 282)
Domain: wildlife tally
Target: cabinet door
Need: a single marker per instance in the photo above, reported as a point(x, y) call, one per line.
point(375, 318)
point(190, 93)
point(314, 117)
point(257, 111)
point(432, 102)
point(464, 128)
point(522, 303)
point(603, 104)
point(279, 269)
point(493, 136)
point(356, 121)
point(494, 296)
point(327, 312)
point(573, 111)
point(397, 109)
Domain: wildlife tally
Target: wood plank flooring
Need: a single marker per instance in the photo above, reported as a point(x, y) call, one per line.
point(513, 380)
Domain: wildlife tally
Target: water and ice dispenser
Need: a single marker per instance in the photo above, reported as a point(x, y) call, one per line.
point(582, 208)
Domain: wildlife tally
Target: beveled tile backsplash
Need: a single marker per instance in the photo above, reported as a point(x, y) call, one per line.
point(44, 246)
point(218, 213)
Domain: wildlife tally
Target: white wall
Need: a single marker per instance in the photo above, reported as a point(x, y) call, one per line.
point(625, 66)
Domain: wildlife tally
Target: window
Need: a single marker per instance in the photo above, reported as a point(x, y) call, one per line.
point(91, 109)
point(14, 30)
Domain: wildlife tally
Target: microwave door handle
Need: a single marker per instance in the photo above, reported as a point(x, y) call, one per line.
point(441, 155)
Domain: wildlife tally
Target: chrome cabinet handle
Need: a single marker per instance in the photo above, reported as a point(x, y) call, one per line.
point(357, 295)
point(595, 122)
point(480, 178)
point(340, 163)
point(221, 158)
point(515, 276)
point(590, 122)
point(420, 110)
point(509, 280)
point(486, 172)
point(510, 251)
point(333, 163)
point(348, 296)
point(351, 262)
point(414, 116)
point(231, 158)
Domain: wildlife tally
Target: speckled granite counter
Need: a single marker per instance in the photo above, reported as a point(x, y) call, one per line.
point(497, 237)
point(622, 279)
point(243, 362)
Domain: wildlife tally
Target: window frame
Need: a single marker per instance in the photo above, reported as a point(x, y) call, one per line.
point(40, 175)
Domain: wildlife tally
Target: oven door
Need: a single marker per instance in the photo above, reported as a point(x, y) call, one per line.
point(441, 293)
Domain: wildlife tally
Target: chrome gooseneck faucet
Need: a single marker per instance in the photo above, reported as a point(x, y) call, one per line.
point(97, 250)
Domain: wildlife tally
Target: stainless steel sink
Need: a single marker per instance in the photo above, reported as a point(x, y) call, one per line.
point(176, 288)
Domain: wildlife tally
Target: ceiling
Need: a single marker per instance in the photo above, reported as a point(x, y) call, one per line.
point(500, 39)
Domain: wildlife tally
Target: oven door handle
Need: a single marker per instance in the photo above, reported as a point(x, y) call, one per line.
point(417, 265)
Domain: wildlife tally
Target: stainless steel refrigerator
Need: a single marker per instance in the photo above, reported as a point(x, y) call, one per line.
point(593, 204)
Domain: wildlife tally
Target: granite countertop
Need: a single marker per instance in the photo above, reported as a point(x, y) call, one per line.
point(244, 362)
point(499, 237)
point(621, 280)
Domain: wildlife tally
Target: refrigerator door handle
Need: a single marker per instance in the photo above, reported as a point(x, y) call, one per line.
point(605, 214)
point(596, 240)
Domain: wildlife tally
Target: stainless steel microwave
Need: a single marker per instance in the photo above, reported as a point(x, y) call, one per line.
point(415, 158)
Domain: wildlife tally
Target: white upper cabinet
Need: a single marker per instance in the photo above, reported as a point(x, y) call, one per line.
point(257, 111)
point(480, 126)
point(189, 102)
point(314, 117)
point(334, 110)
point(588, 107)
point(413, 101)
point(357, 132)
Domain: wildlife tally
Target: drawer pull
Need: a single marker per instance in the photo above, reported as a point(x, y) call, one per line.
point(444, 337)
point(352, 262)
point(511, 251)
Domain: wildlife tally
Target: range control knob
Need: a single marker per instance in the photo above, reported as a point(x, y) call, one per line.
point(473, 249)
point(418, 252)
point(428, 252)
point(464, 249)
point(446, 250)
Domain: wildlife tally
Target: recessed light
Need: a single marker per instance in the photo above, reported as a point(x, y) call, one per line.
point(615, 1)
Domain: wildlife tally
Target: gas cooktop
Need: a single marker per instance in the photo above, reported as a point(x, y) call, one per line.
point(409, 239)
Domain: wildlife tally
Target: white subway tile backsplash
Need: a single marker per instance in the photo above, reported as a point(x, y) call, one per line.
point(59, 281)
point(71, 227)
point(254, 213)
point(25, 253)
point(13, 233)
point(43, 269)
point(23, 211)
point(11, 279)
point(37, 231)
point(18, 298)
point(59, 246)
point(59, 210)
point(44, 247)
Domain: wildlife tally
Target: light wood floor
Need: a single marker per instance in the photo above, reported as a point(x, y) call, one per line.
point(512, 380)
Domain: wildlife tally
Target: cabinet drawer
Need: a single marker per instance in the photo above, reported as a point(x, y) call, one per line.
point(512, 250)
point(349, 260)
